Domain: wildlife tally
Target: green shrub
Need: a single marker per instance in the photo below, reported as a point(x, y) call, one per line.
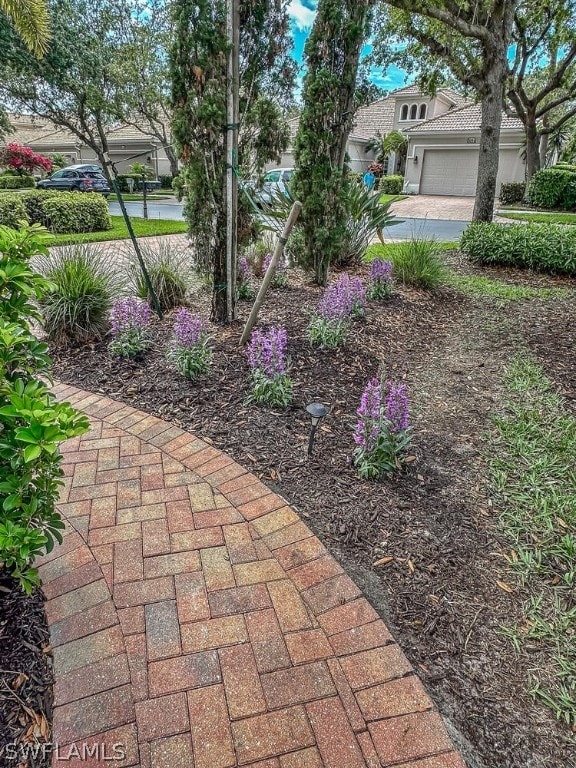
point(16, 182)
point(512, 192)
point(544, 247)
point(418, 262)
point(34, 203)
point(171, 270)
point(391, 185)
point(32, 423)
point(84, 282)
point(295, 248)
point(12, 210)
point(70, 212)
point(166, 181)
point(552, 188)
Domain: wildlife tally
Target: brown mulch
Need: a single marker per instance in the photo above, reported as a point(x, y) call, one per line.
point(25, 678)
point(433, 526)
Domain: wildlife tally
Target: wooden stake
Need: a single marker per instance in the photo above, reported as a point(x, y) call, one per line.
point(278, 250)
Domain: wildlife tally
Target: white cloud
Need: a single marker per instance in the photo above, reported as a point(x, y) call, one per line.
point(302, 14)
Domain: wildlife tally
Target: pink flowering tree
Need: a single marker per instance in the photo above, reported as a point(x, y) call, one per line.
point(16, 157)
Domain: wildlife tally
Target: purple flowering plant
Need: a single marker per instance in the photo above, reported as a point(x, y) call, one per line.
point(245, 275)
point(342, 300)
point(382, 431)
point(130, 321)
point(280, 279)
point(266, 353)
point(380, 279)
point(190, 350)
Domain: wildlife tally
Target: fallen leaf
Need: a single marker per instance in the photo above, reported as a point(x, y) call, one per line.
point(408, 459)
point(411, 566)
point(383, 561)
point(506, 587)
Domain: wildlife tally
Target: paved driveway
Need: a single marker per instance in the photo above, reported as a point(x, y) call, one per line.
point(435, 207)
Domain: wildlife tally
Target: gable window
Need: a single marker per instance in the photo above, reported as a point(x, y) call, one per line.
point(413, 112)
point(422, 113)
point(404, 112)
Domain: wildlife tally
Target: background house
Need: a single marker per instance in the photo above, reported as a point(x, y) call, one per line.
point(124, 142)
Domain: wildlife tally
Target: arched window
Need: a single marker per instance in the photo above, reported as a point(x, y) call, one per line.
point(413, 112)
point(422, 113)
point(404, 112)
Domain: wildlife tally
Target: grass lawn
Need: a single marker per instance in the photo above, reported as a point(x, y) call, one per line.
point(142, 228)
point(392, 198)
point(542, 218)
point(532, 458)
point(387, 251)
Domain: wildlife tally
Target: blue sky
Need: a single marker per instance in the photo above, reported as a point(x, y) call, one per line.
point(302, 14)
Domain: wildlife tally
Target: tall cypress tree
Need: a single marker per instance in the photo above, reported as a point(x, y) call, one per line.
point(198, 71)
point(332, 53)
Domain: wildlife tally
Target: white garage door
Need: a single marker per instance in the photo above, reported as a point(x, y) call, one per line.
point(449, 172)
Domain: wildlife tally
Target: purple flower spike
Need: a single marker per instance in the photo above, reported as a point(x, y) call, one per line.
point(129, 315)
point(188, 329)
point(369, 413)
point(396, 408)
point(381, 271)
point(341, 298)
point(267, 352)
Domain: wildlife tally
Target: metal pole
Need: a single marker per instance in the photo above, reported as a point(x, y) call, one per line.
point(144, 198)
point(232, 33)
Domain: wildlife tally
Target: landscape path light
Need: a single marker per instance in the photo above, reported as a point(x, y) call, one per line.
point(317, 412)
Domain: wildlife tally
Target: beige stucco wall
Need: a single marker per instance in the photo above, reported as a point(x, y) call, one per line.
point(359, 159)
point(459, 159)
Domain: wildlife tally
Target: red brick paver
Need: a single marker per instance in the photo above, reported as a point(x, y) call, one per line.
point(196, 621)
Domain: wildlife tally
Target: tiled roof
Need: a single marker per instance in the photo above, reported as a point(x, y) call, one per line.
point(377, 117)
point(463, 119)
point(31, 130)
point(294, 122)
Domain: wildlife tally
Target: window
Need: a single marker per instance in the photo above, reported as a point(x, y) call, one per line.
point(272, 176)
point(287, 175)
point(404, 112)
point(413, 112)
point(422, 113)
point(57, 175)
point(69, 175)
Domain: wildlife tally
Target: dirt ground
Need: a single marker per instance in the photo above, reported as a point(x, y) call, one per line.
point(434, 523)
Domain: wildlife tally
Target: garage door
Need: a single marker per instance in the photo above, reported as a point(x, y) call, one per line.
point(449, 172)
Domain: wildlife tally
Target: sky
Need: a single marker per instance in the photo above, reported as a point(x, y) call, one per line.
point(302, 14)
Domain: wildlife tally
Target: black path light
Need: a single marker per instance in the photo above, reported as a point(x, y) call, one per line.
point(317, 412)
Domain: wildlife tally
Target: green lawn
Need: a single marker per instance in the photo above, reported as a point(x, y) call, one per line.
point(542, 218)
point(379, 251)
point(392, 198)
point(142, 228)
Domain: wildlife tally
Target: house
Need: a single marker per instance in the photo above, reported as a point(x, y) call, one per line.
point(127, 145)
point(443, 133)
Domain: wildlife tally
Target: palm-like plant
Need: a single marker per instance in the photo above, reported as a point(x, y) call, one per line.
point(383, 146)
point(32, 22)
point(140, 169)
point(377, 145)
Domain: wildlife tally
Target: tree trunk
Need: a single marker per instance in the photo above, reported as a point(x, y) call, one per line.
point(532, 144)
point(219, 313)
point(490, 138)
point(544, 139)
point(173, 160)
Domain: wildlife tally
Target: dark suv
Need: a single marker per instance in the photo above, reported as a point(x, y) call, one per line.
point(77, 178)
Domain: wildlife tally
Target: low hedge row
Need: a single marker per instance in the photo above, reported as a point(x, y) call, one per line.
point(552, 188)
point(543, 247)
point(391, 185)
point(512, 192)
point(60, 212)
point(16, 182)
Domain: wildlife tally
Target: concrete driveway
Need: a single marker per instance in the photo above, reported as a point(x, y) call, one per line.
point(434, 207)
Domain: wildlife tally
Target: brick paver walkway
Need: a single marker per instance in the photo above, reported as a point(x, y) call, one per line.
point(197, 622)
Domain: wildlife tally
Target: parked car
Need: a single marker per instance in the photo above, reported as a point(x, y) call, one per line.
point(275, 181)
point(77, 178)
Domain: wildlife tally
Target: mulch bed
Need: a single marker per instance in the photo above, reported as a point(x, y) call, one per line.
point(432, 525)
point(25, 678)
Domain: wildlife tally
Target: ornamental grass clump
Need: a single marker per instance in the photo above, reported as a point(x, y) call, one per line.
point(271, 384)
point(380, 280)
point(130, 321)
point(190, 351)
point(280, 279)
point(342, 300)
point(245, 286)
point(382, 431)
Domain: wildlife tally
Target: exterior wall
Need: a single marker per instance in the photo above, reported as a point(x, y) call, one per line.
point(434, 107)
point(359, 160)
point(459, 155)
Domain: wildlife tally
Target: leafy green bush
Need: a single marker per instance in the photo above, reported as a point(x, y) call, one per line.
point(552, 188)
point(512, 192)
point(16, 182)
point(83, 285)
point(295, 248)
point(12, 210)
point(32, 423)
point(391, 185)
point(165, 180)
point(544, 247)
point(34, 203)
point(71, 212)
point(418, 262)
point(170, 268)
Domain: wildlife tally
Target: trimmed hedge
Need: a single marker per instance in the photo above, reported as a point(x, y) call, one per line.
point(512, 192)
point(543, 247)
point(552, 188)
point(68, 212)
point(391, 185)
point(16, 182)
point(60, 212)
point(12, 210)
